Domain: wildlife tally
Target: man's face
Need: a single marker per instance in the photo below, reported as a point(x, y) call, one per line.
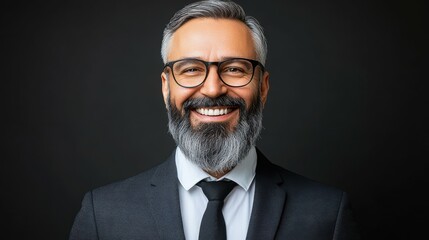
point(212, 40)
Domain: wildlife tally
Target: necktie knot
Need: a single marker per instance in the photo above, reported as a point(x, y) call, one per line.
point(216, 191)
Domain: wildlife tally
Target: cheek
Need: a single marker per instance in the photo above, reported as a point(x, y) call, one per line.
point(247, 94)
point(179, 95)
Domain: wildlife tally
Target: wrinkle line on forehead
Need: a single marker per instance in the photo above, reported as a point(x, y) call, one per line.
point(217, 59)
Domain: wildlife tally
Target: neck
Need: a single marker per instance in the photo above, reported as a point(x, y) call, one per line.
point(217, 175)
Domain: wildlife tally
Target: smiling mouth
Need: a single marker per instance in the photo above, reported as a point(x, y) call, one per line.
point(214, 111)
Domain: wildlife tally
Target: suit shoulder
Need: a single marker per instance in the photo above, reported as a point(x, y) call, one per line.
point(133, 184)
point(304, 191)
point(296, 184)
point(295, 180)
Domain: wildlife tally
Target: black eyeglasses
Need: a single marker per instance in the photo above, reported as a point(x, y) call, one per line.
point(234, 72)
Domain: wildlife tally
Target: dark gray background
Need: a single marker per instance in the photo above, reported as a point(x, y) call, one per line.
point(83, 106)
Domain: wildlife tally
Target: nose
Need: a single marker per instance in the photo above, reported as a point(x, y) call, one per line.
point(213, 87)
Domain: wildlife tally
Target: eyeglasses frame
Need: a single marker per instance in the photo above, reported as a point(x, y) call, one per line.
point(254, 63)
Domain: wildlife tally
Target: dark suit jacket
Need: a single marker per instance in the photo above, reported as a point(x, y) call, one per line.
point(146, 206)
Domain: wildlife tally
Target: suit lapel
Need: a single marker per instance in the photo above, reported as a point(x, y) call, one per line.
point(164, 201)
point(268, 202)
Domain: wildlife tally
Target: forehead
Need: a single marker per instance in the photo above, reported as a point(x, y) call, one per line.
point(212, 40)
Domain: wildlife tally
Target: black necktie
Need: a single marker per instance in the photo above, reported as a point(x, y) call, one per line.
point(213, 224)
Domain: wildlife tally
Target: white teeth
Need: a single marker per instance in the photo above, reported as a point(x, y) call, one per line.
point(212, 112)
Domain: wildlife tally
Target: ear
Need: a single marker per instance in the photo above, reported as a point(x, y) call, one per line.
point(265, 86)
point(165, 88)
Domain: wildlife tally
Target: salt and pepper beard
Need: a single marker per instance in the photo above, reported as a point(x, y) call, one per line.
point(215, 147)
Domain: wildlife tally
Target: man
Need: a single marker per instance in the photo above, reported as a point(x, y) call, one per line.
point(215, 86)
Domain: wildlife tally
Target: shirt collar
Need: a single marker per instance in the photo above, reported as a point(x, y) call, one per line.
point(190, 174)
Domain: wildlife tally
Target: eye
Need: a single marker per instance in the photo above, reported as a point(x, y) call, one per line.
point(189, 67)
point(233, 70)
point(191, 70)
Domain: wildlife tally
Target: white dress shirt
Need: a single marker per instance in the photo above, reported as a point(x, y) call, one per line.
point(238, 204)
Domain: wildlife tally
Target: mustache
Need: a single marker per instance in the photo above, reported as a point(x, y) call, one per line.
point(214, 102)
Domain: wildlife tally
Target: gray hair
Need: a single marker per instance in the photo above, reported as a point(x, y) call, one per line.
point(215, 9)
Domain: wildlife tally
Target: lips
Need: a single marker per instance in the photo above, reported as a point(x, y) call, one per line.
point(214, 107)
point(213, 111)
